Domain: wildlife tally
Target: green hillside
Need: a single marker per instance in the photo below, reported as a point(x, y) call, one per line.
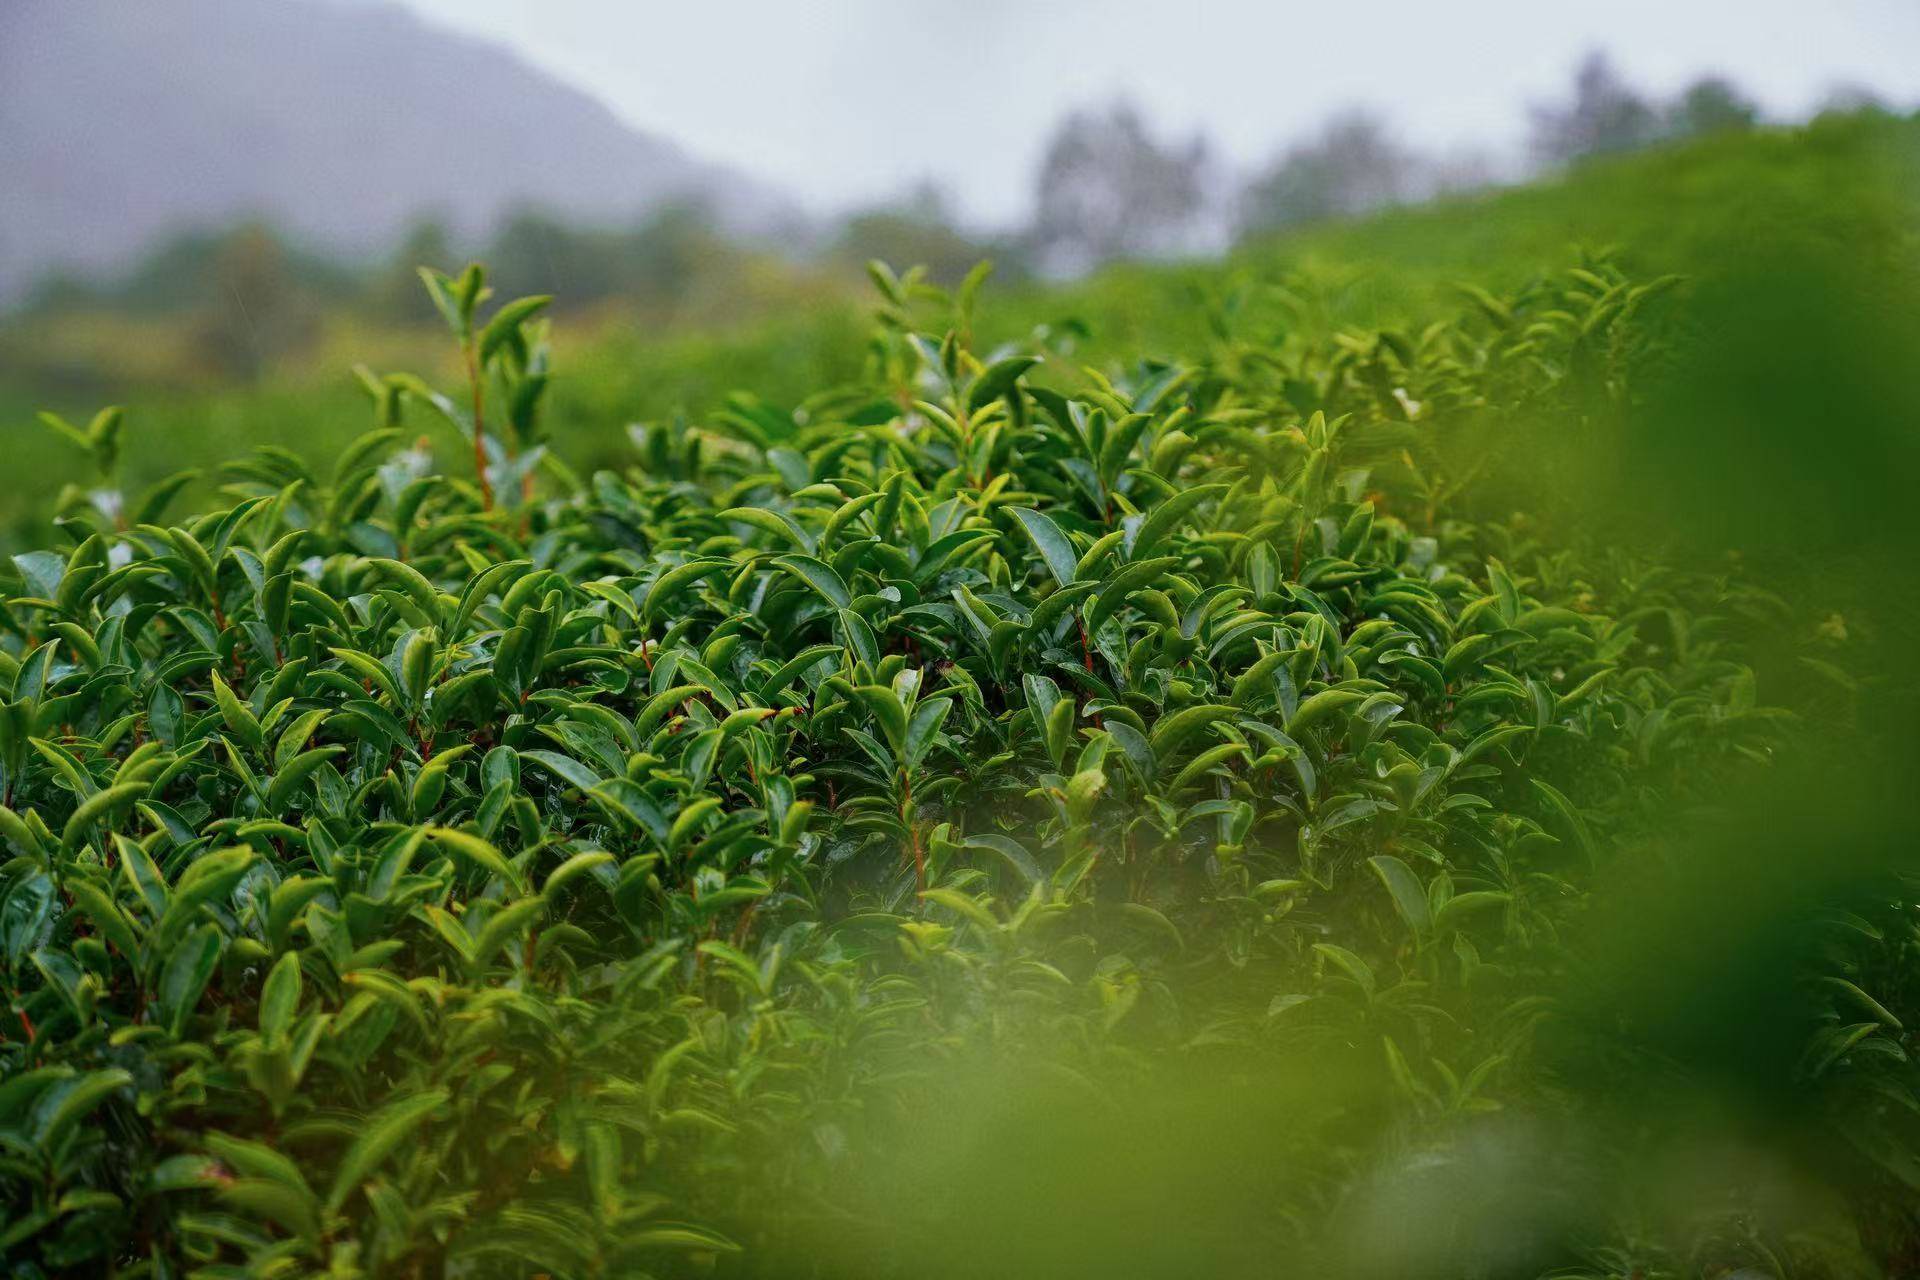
point(1841, 184)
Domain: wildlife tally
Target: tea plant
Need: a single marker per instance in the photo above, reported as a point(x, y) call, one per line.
point(496, 872)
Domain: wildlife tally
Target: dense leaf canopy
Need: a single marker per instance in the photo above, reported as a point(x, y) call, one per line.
point(414, 874)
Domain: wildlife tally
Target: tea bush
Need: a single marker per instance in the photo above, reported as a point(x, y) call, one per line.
point(500, 872)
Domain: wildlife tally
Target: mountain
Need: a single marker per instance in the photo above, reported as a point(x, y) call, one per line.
point(340, 121)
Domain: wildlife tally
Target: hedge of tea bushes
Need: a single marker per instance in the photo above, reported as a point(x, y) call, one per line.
point(479, 869)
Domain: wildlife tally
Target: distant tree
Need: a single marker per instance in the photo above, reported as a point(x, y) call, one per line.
point(191, 273)
point(1108, 189)
point(256, 309)
point(1604, 115)
point(654, 265)
point(535, 252)
point(1711, 104)
point(920, 230)
point(394, 290)
point(180, 273)
point(1852, 98)
point(679, 245)
point(1351, 167)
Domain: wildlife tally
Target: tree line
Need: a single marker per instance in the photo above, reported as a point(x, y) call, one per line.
point(1109, 186)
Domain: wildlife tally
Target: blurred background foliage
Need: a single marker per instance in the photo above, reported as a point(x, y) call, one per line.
point(234, 338)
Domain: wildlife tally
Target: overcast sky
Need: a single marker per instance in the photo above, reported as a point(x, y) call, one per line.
point(842, 102)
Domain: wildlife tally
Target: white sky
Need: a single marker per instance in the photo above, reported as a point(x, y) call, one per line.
point(842, 102)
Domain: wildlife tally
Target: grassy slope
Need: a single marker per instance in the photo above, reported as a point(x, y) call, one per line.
point(1680, 209)
point(1842, 182)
